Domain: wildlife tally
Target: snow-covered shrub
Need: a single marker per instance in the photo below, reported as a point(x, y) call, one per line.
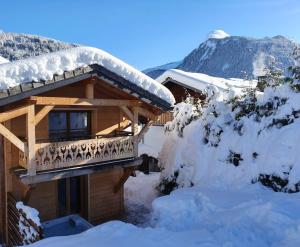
point(257, 131)
point(183, 114)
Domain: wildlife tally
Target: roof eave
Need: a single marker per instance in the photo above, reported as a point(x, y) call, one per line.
point(26, 90)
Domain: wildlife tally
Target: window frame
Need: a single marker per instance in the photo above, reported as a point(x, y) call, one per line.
point(68, 132)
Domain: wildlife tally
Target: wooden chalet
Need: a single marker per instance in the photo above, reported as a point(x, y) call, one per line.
point(68, 144)
point(180, 88)
point(181, 91)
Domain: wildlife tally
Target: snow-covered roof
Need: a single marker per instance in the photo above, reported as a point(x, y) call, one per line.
point(44, 67)
point(199, 82)
point(3, 60)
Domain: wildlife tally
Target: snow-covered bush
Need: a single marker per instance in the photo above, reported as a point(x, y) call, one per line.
point(238, 138)
point(183, 114)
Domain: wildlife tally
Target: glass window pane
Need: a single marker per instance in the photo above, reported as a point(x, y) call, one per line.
point(58, 121)
point(78, 120)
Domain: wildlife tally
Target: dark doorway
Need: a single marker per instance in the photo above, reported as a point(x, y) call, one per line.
point(72, 196)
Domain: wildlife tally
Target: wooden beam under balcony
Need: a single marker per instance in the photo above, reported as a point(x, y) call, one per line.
point(61, 101)
point(44, 176)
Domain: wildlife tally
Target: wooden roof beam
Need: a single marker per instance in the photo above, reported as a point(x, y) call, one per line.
point(61, 101)
point(42, 113)
point(146, 113)
point(5, 116)
point(128, 113)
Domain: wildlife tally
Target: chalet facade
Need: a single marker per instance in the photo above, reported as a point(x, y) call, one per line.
point(182, 85)
point(69, 142)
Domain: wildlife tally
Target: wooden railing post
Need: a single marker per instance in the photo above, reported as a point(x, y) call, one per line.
point(30, 128)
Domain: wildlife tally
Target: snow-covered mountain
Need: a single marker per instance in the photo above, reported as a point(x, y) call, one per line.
point(227, 56)
point(159, 70)
point(15, 46)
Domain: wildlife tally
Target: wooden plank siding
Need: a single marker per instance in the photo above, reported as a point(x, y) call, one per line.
point(105, 204)
point(44, 199)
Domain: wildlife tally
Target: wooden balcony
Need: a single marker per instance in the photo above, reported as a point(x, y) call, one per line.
point(57, 155)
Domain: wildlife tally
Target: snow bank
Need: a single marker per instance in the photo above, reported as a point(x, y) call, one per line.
point(142, 189)
point(203, 217)
point(152, 141)
point(201, 81)
point(217, 34)
point(43, 67)
point(252, 216)
point(3, 60)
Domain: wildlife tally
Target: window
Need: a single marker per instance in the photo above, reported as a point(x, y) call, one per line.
point(69, 125)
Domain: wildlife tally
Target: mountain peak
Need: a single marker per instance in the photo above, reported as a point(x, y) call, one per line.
point(217, 34)
point(237, 56)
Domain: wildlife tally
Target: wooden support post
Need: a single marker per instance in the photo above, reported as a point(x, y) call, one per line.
point(89, 89)
point(7, 176)
point(30, 127)
point(135, 129)
point(2, 190)
point(94, 123)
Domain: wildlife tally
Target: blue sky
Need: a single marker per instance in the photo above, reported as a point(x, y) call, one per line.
point(147, 33)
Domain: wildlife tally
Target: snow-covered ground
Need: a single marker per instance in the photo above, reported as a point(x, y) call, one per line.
point(204, 216)
point(139, 193)
point(142, 188)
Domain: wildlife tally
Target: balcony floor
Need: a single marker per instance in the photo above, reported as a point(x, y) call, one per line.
point(48, 175)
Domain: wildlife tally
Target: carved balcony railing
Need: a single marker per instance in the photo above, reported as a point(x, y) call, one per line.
point(55, 155)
